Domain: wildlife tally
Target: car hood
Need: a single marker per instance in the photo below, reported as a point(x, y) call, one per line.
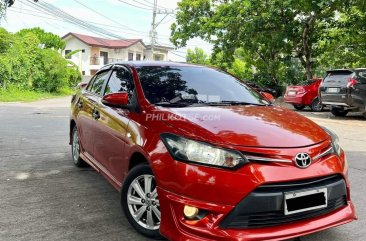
point(254, 126)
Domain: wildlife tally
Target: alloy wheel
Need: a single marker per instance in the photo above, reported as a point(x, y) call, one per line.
point(143, 202)
point(75, 147)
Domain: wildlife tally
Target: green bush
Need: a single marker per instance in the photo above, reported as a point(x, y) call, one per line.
point(31, 59)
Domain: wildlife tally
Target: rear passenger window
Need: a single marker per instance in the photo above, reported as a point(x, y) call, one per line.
point(121, 81)
point(98, 82)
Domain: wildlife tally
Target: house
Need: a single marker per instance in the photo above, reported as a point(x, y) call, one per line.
point(96, 52)
point(160, 52)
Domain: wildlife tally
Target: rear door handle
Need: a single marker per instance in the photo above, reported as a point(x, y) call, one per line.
point(96, 114)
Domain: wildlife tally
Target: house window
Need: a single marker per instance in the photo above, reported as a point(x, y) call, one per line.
point(130, 56)
point(67, 51)
point(138, 57)
point(158, 57)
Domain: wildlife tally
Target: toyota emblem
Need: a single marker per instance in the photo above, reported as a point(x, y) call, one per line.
point(303, 160)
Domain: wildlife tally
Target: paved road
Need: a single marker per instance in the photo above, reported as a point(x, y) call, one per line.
point(44, 197)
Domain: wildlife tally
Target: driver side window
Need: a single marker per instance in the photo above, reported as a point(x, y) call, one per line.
point(97, 86)
point(121, 80)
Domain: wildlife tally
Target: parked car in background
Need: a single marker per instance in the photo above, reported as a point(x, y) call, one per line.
point(261, 88)
point(344, 90)
point(304, 94)
point(199, 155)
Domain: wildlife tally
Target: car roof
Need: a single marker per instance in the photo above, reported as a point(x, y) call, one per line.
point(156, 63)
point(148, 63)
point(345, 70)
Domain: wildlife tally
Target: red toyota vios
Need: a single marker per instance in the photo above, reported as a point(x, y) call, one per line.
point(305, 94)
point(199, 155)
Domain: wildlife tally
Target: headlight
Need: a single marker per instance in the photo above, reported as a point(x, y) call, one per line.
point(335, 141)
point(186, 150)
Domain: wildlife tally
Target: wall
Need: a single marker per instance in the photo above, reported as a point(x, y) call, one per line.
point(80, 59)
point(157, 51)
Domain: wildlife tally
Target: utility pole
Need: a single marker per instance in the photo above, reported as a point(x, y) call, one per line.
point(154, 25)
point(153, 31)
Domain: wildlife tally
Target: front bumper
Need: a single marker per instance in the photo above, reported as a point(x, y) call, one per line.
point(221, 192)
point(176, 228)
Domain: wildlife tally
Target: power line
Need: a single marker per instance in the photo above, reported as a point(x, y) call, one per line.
point(36, 13)
point(49, 8)
point(144, 4)
point(106, 17)
point(152, 5)
point(172, 52)
point(109, 18)
point(144, 8)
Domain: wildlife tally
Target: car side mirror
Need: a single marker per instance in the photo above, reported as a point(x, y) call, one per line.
point(268, 96)
point(119, 99)
point(82, 85)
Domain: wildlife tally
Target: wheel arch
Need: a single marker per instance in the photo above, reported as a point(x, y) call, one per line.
point(137, 158)
point(72, 125)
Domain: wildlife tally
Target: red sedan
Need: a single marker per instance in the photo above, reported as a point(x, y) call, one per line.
point(305, 94)
point(198, 155)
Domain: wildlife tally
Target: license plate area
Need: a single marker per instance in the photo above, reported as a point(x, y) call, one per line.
point(302, 201)
point(333, 90)
point(291, 93)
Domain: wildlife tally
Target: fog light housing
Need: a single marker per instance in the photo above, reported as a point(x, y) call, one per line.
point(190, 212)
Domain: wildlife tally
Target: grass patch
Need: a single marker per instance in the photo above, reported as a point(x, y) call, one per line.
point(13, 94)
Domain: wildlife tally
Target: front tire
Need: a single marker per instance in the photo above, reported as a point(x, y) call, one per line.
point(140, 202)
point(339, 112)
point(316, 105)
point(75, 149)
point(299, 107)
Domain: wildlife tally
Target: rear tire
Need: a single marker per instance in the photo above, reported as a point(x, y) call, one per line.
point(75, 149)
point(140, 202)
point(339, 112)
point(316, 106)
point(299, 107)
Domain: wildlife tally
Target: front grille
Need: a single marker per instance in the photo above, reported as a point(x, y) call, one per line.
point(298, 185)
point(277, 218)
point(264, 207)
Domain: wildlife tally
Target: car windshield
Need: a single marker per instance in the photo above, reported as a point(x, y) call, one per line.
point(189, 85)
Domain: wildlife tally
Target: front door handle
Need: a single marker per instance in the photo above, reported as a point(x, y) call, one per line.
point(80, 104)
point(96, 114)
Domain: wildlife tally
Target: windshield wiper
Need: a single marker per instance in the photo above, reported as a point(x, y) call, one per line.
point(169, 104)
point(213, 103)
point(230, 102)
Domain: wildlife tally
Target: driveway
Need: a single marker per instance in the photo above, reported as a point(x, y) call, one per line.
point(44, 197)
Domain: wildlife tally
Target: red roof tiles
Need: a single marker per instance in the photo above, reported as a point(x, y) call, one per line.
point(106, 43)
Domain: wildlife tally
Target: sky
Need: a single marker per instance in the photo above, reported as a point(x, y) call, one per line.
point(126, 18)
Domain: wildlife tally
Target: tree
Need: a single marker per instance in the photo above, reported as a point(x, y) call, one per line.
point(47, 40)
point(4, 4)
point(271, 32)
point(30, 59)
point(197, 56)
point(240, 67)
